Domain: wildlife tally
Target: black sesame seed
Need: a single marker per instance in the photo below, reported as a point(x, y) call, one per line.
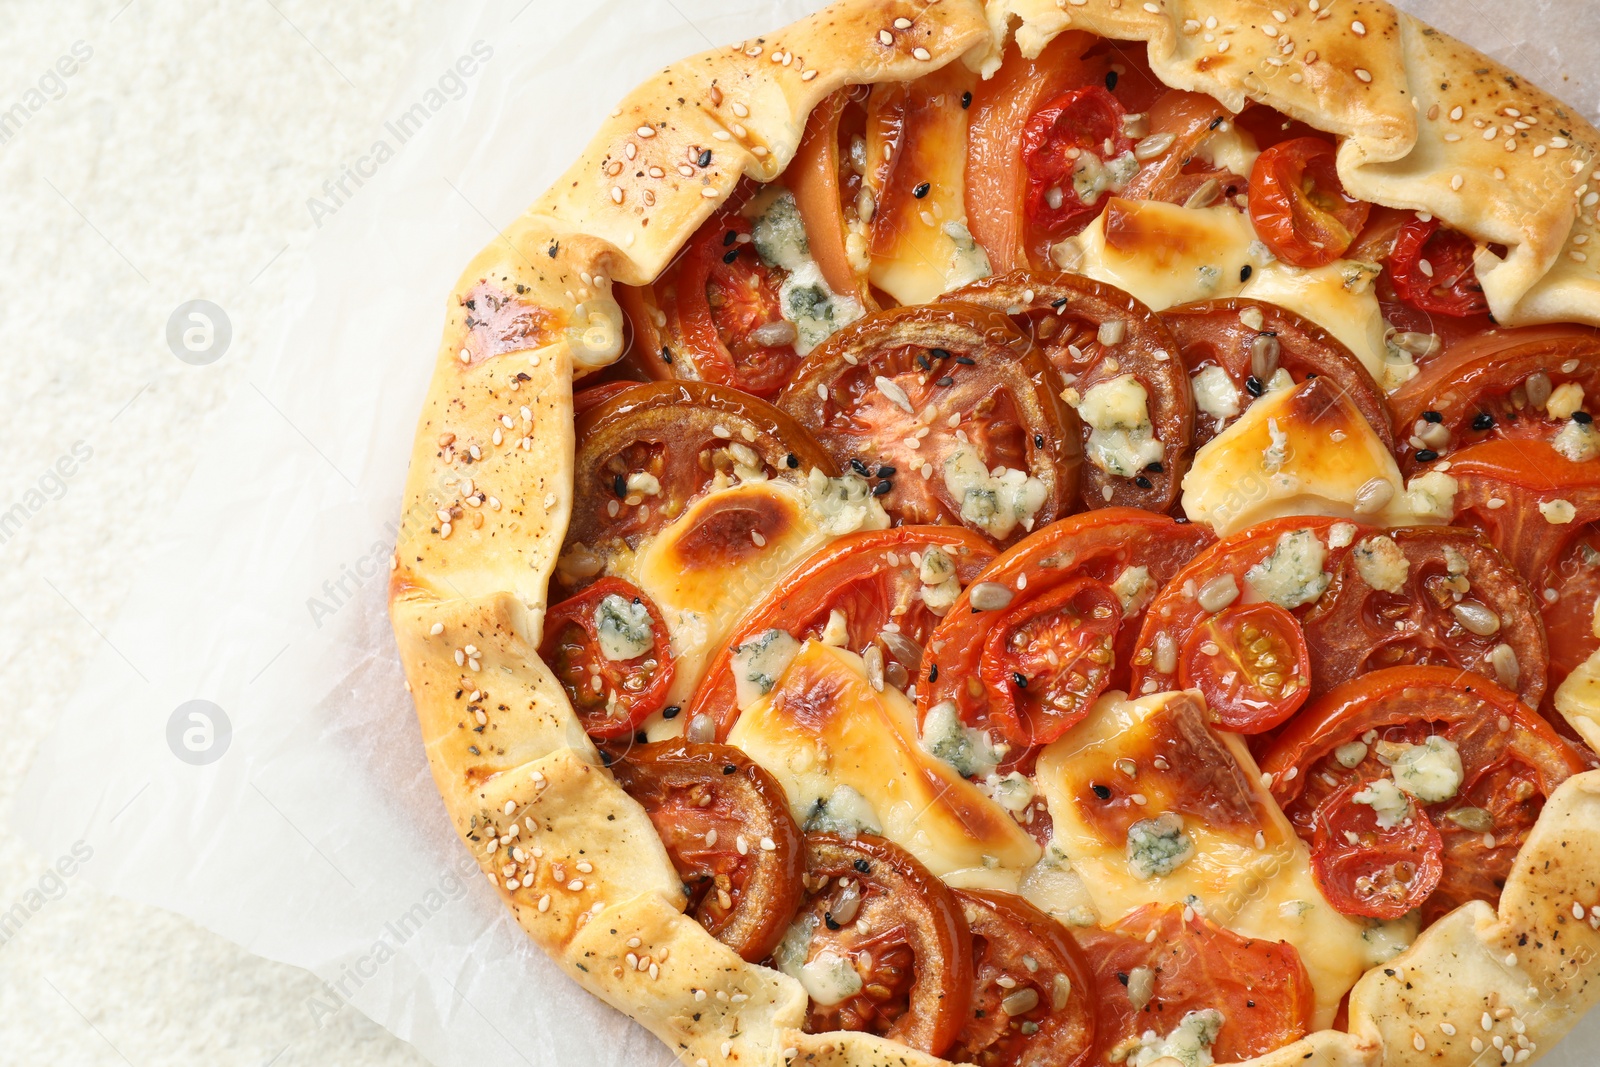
point(863, 866)
point(1101, 791)
point(607, 758)
point(827, 917)
point(1038, 440)
point(666, 354)
point(1122, 976)
point(705, 158)
point(1253, 386)
point(883, 488)
point(730, 255)
point(1426, 455)
point(670, 711)
point(619, 486)
point(1154, 467)
point(729, 768)
point(641, 738)
point(886, 471)
point(1142, 482)
point(860, 467)
point(1249, 1003)
point(924, 362)
point(921, 191)
point(1483, 421)
point(1432, 416)
point(933, 674)
point(1111, 80)
point(945, 381)
point(729, 237)
point(555, 249)
point(1582, 418)
point(1216, 122)
point(1245, 272)
point(966, 361)
point(966, 100)
point(1059, 302)
point(939, 353)
point(791, 461)
point(1018, 680)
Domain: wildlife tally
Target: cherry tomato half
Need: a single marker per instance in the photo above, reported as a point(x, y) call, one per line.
point(703, 800)
point(1367, 869)
point(1073, 134)
point(1048, 660)
point(1298, 205)
point(611, 695)
point(1432, 269)
point(1250, 662)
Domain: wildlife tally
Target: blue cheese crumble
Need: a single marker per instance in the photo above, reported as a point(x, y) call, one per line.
point(1190, 1043)
point(1122, 441)
point(1158, 846)
point(779, 237)
point(758, 664)
point(995, 502)
point(624, 628)
point(1293, 574)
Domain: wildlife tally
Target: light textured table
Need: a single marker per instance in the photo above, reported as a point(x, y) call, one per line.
point(175, 162)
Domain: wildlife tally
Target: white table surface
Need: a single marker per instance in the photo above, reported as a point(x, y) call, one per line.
point(175, 163)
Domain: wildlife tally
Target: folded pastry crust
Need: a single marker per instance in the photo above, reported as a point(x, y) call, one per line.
point(1427, 124)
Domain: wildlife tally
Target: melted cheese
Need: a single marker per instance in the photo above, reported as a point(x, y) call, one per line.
point(1304, 450)
point(1165, 255)
point(1257, 886)
point(823, 729)
point(706, 568)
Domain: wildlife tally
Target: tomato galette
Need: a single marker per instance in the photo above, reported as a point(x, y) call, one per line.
point(1047, 532)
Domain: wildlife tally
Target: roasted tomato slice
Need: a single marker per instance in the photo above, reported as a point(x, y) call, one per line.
point(1479, 762)
point(1432, 269)
point(1074, 149)
point(591, 397)
point(1133, 552)
point(1032, 1001)
point(715, 314)
point(716, 811)
point(905, 578)
point(1048, 660)
point(647, 452)
point(1379, 866)
point(827, 175)
point(1250, 662)
point(1426, 595)
point(1155, 969)
point(1299, 207)
point(609, 649)
point(1178, 175)
point(1505, 488)
point(1525, 384)
point(880, 945)
point(952, 410)
point(1095, 335)
point(1233, 348)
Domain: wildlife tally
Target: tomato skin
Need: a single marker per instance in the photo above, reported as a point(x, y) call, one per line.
point(1261, 988)
point(570, 648)
point(1298, 205)
point(1098, 545)
point(688, 788)
point(918, 938)
point(1452, 288)
point(1365, 877)
point(1260, 671)
point(1074, 124)
point(1015, 940)
point(1177, 174)
point(1048, 660)
point(1063, 314)
point(1507, 771)
point(853, 572)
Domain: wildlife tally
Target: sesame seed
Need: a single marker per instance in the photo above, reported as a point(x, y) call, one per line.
point(885, 37)
point(1363, 74)
point(902, 23)
point(1358, 28)
point(544, 902)
point(1455, 182)
point(767, 845)
point(1222, 46)
point(808, 75)
point(647, 131)
point(921, 53)
point(1417, 1042)
point(1447, 1029)
point(576, 885)
point(1153, 9)
point(436, 629)
point(708, 192)
point(616, 194)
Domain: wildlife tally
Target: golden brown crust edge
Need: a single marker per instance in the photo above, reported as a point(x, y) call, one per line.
point(575, 858)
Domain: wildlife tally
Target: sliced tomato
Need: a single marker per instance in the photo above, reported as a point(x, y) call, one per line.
point(942, 395)
point(873, 580)
point(1511, 762)
point(826, 176)
point(1457, 603)
point(1213, 581)
point(718, 311)
point(593, 396)
point(647, 452)
point(1032, 1000)
point(1261, 988)
point(1178, 175)
point(611, 696)
point(704, 800)
point(1365, 868)
point(1049, 659)
point(1066, 146)
point(1065, 314)
point(1101, 545)
point(997, 181)
point(1497, 386)
point(879, 922)
point(1432, 269)
point(1251, 664)
point(1298, 205)
point(1215, 333)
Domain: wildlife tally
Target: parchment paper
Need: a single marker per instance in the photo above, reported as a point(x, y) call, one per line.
point(295, 815)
